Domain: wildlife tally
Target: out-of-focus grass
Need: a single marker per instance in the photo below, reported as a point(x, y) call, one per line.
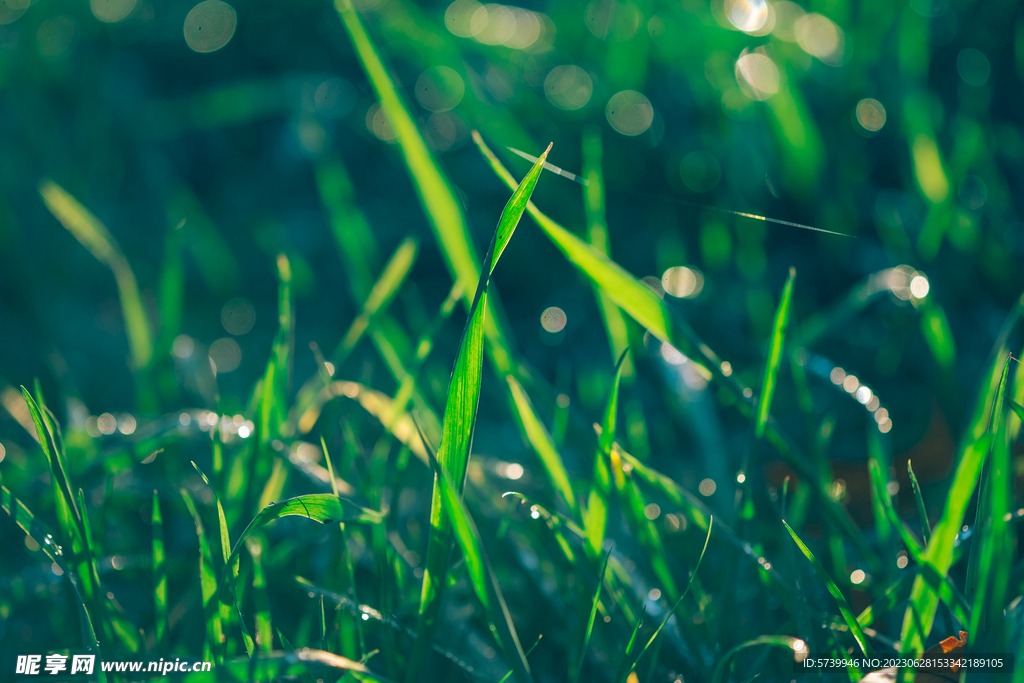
point(254, 193)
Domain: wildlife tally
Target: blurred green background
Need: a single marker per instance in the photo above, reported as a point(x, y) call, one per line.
point(211, 138)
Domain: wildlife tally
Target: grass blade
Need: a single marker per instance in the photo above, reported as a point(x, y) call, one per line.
point(769, 379)
point(922, 511)
point(540, 439)
point(595, 517)
point(844, 606)
point(725, 663)
point(459, 421)
point(95, 237)
point(215, 638)
point(593, 615)
point(159, 578)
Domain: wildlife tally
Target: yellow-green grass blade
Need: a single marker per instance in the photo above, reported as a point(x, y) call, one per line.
point(458, 423)
point(95, 237)
point(481, 575)
point(938, 335)
point(971, 456)
point(947, 591)
point(46, 540)
point(159, 578)
point(992, 554)
point(540, 439)
point(595, 517)
point(593, 615)
point(280, 665)
point(769, 379)
point(46, 436)
point(922, 510)
point(646, 308)
point(215, 638)
point(383, 292)
point(844, 606)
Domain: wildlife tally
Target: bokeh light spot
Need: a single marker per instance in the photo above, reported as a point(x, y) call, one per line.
point(238, 316)
point(439, 88)
point(759, 72)
point(111, 11)
point(553, 319)
point(11, 10)
point(210, 25)
point(225, 354)
point(629, 112)
point(857, 576)
point(973, 66)
point(707, 487)
point(56, 36)
point(612, 20)
point(682, 282)
point(820, 37)
point(568, 87)
point(870, 115)
point(334, 98)
point(747, 15)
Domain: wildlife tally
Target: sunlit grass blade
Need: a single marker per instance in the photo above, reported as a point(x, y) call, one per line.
point(622, 673)
point(972, 453)
point(159, 578)
point(922, 511)
point(264, 630)
point(646, 308)
point(459, 421)
point(938, 335)
point(595, 517)
point(325, 508)
point(383, 292)
point(482, 578)
point(593, 615)
point(844, 606)
point(215, 637)
point(95, 237)
point(540, 439)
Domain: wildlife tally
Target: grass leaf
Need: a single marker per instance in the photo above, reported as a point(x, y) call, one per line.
point(769, 378)
point(159, 578)
point(844, 606)
point(540, 439)
point(593, 615)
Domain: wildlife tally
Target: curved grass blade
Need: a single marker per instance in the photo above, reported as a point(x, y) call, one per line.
point(844, 606)
point(593, 615)
point(541, 441)
point(646, 308)
point(95, 237)
point(159, 578)
point(458, 423)
point(324, 508)
point(725, 663)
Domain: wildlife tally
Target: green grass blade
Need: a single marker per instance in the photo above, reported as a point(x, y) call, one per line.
point(264, 630)
point(215, 637)
point(383, 292)
point(45, 539)
point(922, 511)
point(844, 606)
point(53, 455)
point(159, 578)
point(325, 508)
point(593, 615)
point(280, 665)
point(458, 424)
point(482, 578)
point(769, 379)
point(595, 517)
point(540, 439)
point(350, 575)
point(95, 237)
point(725, 662)
point(938, 335)
point(622, 673)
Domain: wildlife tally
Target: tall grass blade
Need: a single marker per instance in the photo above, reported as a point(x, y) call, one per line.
point(593, 615)
point(95, 237)
point(844, 606)
point(159, 578)
point(725, 662)
point(922, 511)
point(264, 630)
point(769, 379)
point(215, 637)
point(595, 517)
point(540, 439)
point(459, 420)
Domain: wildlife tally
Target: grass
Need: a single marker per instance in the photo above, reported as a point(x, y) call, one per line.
point(433, 500)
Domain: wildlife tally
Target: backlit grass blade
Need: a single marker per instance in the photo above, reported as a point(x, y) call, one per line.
point(46, 540)
point(540, 439)
point(481, 575)
point(724, 665)
point(215, 638)
point(844, 606)
point(769, 378)
point(922, 511)
point(383, 292)
point(325, 508)
point(938, 335)
point(595, 517)
point(159, 578)
point(646, 308)
point(459, 421)
point(264, 630)
point(593, 615)
point(972, 453)
point(95, 237)
point(622, 673)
